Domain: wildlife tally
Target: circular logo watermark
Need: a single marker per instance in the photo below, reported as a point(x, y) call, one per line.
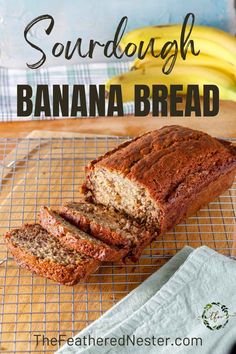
point(215, 316)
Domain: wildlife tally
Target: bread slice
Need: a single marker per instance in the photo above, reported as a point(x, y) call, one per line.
point(41, 253)
point(74, 238)
point(109, 226)
point(163, 176)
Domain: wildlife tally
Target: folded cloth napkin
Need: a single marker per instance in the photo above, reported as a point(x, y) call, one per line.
point(188, 306)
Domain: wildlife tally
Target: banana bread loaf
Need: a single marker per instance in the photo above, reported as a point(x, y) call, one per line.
point(40, 252)
point(162, 176)
point(74, 238)
point(109, 226)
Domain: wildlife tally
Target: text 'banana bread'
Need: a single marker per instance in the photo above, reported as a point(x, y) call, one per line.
point(162, 176)
point(42, 253)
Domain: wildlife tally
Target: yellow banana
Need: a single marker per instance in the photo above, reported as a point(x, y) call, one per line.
point(182, 75)
point(200, 60)
point(205, 33)
point(205, 46)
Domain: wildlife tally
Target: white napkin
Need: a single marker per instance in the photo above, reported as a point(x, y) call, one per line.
point(170, 304)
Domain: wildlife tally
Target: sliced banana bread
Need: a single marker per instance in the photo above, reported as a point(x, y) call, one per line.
point(162, 176)
point(109, 226)
point(74, 238)
point(42, 253)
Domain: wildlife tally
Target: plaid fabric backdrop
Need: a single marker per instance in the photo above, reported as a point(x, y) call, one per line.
point(83, 74)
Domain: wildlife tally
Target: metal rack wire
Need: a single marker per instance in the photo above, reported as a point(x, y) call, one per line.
point(49, 171)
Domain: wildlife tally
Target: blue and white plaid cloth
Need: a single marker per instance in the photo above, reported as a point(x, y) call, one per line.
point(83, 74)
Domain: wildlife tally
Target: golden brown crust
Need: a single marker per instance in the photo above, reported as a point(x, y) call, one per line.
point(76, 239)
point(175, 165)
point(63, 274)
point(197, 201)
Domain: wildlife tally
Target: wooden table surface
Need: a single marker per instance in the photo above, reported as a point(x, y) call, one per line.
point(222, 125)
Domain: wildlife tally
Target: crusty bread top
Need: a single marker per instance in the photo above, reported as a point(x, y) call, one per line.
point(170, 163)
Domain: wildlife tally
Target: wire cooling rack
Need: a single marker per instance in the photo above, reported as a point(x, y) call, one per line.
point(49, 171)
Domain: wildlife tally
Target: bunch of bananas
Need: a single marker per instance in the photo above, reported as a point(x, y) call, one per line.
point(215, 64)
